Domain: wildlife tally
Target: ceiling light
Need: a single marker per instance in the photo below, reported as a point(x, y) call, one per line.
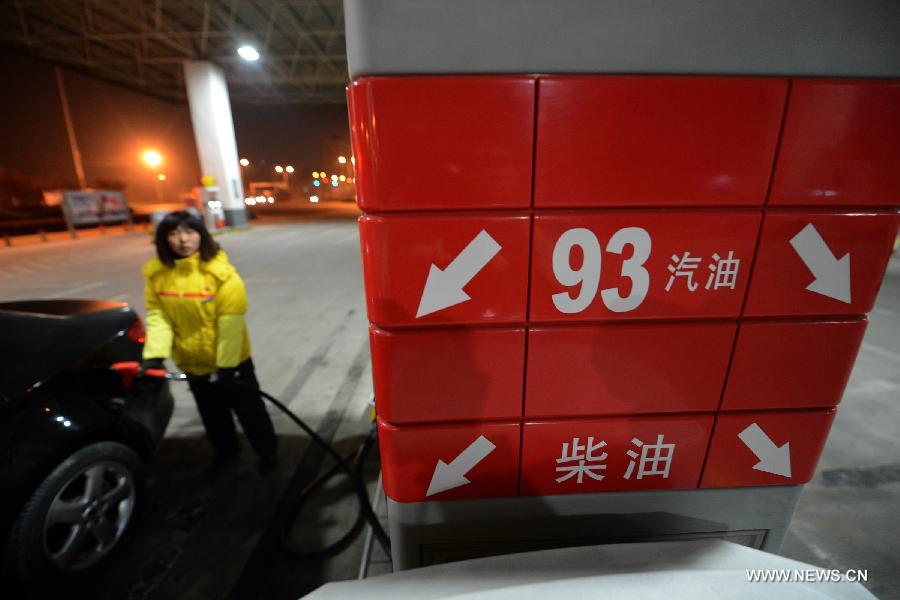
point(248, 53)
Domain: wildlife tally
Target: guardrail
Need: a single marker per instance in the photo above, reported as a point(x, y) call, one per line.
point(19, 227)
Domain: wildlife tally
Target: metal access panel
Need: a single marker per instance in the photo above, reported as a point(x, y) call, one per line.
point(428, 533)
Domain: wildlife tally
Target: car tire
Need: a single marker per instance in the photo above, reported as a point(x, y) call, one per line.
point(78, 515)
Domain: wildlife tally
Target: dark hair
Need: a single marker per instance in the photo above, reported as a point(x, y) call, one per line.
point(208, 246)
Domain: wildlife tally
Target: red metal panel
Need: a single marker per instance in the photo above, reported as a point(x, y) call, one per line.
point(401, 254)
point(627, 369)
point(688, 252)
point(653, 141)
point(766, 448)
point(459, 374)
point(820, 263)
point(429, 143)
point(790, 364)
point(841, 145)
point(410, 455)
point(638, 454)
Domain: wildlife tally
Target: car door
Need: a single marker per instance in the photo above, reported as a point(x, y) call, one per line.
point(6, 411)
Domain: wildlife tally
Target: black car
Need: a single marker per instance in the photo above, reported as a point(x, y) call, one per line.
point(76, 426)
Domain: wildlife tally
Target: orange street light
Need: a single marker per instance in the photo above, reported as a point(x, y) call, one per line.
point(152, 158)
point(161, 176)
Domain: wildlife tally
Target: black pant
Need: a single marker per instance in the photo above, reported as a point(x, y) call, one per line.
point(215, 401)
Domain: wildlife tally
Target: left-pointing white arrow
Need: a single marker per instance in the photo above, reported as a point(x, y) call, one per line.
point(832, 275)
point(444, 289)
point(772, 459)
point(452, 475)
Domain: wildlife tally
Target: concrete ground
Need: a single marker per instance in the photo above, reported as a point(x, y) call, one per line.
point(200, 538)
point(849, 514)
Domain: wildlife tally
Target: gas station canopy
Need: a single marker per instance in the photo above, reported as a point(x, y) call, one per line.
point(142, 44)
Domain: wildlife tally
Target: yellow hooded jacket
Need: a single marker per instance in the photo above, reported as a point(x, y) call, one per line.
point(195, 313)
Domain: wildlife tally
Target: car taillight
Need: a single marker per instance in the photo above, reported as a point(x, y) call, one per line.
point(136, 332)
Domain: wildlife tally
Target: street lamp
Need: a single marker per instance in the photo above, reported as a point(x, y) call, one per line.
point(152, 158)
point(243, 163)
point(342, 159)
point(289, 169)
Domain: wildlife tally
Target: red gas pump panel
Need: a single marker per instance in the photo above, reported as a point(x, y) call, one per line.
point(766, 448)
point(630, 265)
point(448, 269)
point(792, 364)
point(820, 263)
point(616, 454)
point(627, 369)
point(841, 145)
point(431, 143)
point(447, 462)
point(448, 374)
point(654, 141)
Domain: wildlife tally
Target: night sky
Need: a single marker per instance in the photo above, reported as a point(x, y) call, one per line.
point(113, 124)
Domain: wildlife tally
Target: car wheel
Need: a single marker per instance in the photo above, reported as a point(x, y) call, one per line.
point(79, 513)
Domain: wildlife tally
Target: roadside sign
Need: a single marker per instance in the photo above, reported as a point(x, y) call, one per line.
point(95, 206)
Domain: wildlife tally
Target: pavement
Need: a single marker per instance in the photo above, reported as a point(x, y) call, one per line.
point(201, 538)
point(196, 537)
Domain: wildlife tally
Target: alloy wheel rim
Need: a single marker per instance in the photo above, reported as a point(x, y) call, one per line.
point(89, 515)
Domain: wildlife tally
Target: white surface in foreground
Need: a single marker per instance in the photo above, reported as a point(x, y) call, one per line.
point(664, 570)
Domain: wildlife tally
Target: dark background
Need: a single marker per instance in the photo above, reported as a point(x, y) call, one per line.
point(114, 124)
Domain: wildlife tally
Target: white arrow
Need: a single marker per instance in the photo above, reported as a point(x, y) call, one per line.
point(445, 288)
point(832, 275)
point(449, 476)
point(772, 459)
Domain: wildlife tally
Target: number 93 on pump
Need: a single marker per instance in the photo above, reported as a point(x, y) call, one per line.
point(641, 265)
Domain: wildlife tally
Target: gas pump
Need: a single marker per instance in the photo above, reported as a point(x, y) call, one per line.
point(207, 201)
point(528, 398)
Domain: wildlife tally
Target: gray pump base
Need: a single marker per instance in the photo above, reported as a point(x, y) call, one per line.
point(427, 533)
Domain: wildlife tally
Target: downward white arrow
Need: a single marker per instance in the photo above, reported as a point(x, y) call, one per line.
point(772, 459)
point(449, 476)
point(445, 288)
point(832, 275)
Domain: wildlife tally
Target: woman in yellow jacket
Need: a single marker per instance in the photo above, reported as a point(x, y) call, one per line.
point(195, 314)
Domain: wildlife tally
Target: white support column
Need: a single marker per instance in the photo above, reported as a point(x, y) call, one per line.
point(207, 94)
